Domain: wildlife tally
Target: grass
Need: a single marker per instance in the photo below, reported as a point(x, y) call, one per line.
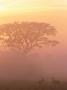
point(33, 85)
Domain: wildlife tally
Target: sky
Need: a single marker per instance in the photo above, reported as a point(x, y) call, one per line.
point(31, 5)
point(29, 9)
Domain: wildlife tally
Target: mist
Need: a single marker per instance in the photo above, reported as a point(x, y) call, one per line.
point(42, 63)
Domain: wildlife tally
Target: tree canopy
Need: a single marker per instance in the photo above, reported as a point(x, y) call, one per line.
point(26, 35)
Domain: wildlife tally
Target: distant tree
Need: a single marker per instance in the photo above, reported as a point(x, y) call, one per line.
point(25, 36)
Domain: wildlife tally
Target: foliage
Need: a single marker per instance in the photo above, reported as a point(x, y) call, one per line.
point(25, 36)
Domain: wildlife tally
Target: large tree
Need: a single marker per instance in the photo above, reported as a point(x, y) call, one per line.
point(25, 36)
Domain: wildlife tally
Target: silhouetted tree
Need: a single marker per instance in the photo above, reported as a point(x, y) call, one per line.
point(26, 35)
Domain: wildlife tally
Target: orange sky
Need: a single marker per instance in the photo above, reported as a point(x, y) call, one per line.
point(18, 6)
point(29, 9)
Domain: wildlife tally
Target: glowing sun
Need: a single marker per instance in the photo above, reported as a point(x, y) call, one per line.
point(3, 8)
